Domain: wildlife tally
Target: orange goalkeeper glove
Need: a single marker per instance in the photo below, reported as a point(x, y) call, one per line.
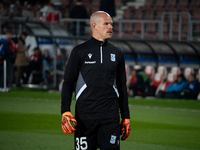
point(125, 128)
point(66, 125)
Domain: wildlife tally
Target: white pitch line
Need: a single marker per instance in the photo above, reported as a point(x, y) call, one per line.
point(166, 108)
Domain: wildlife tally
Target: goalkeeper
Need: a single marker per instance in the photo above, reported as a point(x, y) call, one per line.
point(97, 68)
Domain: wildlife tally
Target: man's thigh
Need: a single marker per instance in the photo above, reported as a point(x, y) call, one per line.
point(85, 137)
point(109, 134)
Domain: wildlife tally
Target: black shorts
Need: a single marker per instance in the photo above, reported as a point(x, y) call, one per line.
point(91, 134)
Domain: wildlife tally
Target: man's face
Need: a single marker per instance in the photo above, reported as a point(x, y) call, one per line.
point(180, 79)
point(36, 52)
point(104, 27)
point(191, 78)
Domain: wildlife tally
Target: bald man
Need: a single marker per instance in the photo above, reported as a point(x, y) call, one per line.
point(97, 68)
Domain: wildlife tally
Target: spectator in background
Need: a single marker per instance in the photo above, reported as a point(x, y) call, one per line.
point(131, 80)
point(5, 53)
point(21, 59)
point(78, 12)
point(175, 88)
point(46, 6)
point(61, 59)
point(108, 6)
point(44, 9)
point(141, 82)
point(14, 47)
point(193, 88)
point(4, 8)
point(52, 15)
point(47, 65)
point(35, 63)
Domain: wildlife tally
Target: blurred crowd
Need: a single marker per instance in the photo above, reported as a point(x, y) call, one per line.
point(52, 11)
point(179, 86)
point(24, 8)
point(23, 69)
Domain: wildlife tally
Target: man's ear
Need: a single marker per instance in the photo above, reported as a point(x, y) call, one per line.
point(93, 25)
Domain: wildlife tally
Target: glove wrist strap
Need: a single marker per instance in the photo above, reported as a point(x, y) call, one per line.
point(67, 113)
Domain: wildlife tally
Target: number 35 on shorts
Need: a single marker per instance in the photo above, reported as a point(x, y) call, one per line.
point(81, 143)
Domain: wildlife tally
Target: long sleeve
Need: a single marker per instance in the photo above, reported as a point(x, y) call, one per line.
point(121, 85)
point(176, 87)
point(70, 78)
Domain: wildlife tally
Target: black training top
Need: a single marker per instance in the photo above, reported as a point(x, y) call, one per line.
point(98, 69)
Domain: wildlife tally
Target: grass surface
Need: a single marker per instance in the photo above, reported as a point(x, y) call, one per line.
point(30, 119)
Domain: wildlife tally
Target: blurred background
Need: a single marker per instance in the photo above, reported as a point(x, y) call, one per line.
point(160, 39)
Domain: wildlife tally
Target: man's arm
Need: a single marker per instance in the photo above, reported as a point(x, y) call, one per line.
point(121, 85)
point(70, 78)
point(123, 99)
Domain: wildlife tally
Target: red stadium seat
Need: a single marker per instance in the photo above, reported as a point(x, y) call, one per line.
point(188, 71)
point(138, 13)
point(184, 16)
point(127, 13)
point(183, 3)
point(175, 70)
point(157, 14)
point(163, 86)
point(196, 12)
point(157, 79)
point(151, 32)
point(127, 27)
point(160, 3)
point(162, 70)
point(149, 13)
point(170, 78)
point(132, 13)
point(149, 71)
point(172, 3)
point(55, 17)
point(195, 3)
point(149, 3)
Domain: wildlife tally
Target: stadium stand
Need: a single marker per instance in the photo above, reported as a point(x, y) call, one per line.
point(163, 71)
point(163, 85)
point(156, 82)
point(149, 71)
point(175, 70)
point(188, 71)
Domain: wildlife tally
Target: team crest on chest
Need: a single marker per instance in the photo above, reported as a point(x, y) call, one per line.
point(112, 57)
point(90, 55)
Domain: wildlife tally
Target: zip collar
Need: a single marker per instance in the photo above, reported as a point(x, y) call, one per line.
point(97, 42)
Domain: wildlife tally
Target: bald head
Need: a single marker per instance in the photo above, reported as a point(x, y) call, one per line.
point(97, 16)
point(101, 25)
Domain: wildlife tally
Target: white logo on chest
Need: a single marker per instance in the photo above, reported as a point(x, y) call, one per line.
point(90, 55)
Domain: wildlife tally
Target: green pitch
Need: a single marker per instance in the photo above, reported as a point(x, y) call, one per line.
point(31, 120)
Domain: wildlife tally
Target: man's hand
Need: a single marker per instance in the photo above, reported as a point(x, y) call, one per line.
point(125, 128)
point(67, 117)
